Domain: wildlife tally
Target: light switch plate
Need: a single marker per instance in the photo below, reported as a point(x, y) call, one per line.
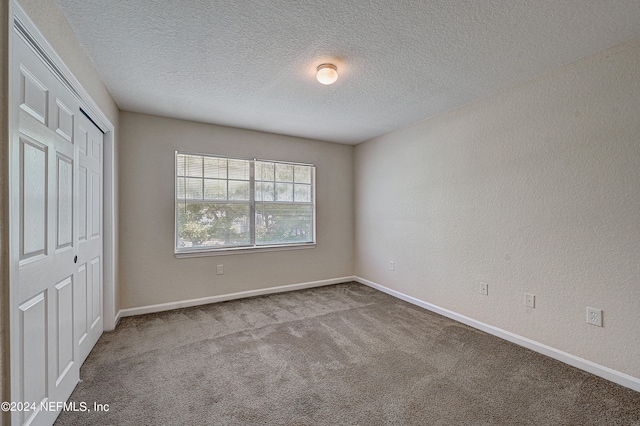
point(484, 289)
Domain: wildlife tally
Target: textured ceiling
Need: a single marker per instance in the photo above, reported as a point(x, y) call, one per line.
point(252, 64)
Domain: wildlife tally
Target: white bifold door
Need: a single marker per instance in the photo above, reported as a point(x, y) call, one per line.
point(56, 312)
point(89, 321)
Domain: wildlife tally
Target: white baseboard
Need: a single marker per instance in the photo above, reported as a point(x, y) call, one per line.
point(116, 320)
point(583, 364)
point(224, 297)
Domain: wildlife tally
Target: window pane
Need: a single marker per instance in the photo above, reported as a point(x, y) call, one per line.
point(215, 189)
point(302, 193)
point(193, 165)
point(302, 174)
point(264, 171)
point(216, 207)
point(215, 167)
point(284, 172)
point(284, 192)
point(180, 164)
point(213, 225)
point(180, 187)
point(239, 169)
point(264, 191)
point(283, 223)
point(239, 190)
point(194, 188)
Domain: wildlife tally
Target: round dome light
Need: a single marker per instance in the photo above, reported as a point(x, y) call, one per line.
point(327, 73)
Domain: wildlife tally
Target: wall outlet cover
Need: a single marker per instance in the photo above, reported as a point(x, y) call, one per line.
point(530, 300)
point(594, 316)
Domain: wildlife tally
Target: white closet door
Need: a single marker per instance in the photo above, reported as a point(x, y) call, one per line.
point(89, 318)
point(58, 304)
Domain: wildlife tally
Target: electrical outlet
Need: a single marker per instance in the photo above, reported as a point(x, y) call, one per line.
point(484, 289)
point(392, 265)
point(220, 269)
point(594, 316)
point(530, 300)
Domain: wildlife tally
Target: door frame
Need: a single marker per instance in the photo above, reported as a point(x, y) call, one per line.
point(5, 30)
point(21, 26)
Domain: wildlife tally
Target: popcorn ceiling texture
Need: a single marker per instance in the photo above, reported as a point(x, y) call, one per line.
point(228, 63)
point(532, 190)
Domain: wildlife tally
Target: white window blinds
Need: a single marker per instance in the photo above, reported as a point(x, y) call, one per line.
point(226, 203)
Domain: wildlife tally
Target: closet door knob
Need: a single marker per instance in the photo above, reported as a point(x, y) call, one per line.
point(75, 259)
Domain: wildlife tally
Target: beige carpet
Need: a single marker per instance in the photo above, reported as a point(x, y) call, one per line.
point(343, 354)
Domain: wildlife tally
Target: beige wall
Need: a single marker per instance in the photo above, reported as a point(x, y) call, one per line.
point(536, 190)
point(149, 271)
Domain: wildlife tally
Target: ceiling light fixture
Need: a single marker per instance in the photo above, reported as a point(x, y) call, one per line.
point(327, 73)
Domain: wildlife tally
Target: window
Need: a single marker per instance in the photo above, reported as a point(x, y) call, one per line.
point(225, 204)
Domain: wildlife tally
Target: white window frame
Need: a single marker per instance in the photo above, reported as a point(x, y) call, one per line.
point(185, 252)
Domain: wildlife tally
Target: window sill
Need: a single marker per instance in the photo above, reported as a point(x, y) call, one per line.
point(240, 250)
